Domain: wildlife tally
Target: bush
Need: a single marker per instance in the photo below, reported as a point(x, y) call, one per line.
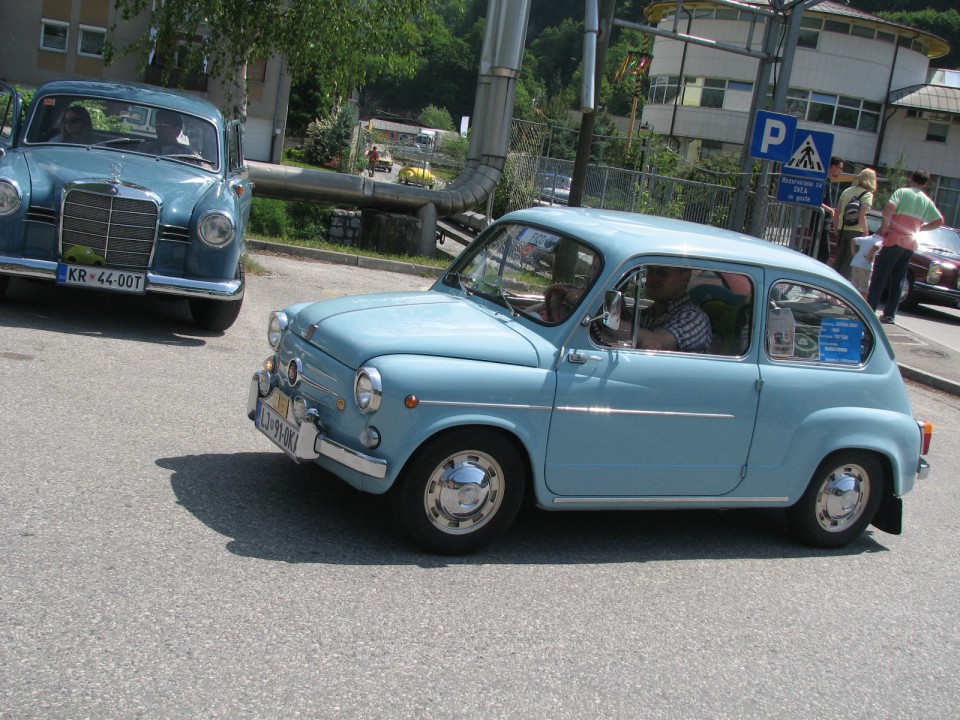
point(289, 220)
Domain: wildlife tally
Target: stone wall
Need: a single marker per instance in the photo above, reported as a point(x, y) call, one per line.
point(345, 227)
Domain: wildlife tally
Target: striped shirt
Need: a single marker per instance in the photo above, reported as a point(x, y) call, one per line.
point(685, 321)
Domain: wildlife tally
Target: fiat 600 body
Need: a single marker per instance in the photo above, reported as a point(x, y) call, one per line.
point(125, 188)
point(601, 360)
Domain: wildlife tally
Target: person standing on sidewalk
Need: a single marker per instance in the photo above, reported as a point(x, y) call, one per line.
point(830, 196)
point(851, 218)
point(908, 212)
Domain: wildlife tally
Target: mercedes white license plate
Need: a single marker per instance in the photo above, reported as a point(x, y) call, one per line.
point(101, 278)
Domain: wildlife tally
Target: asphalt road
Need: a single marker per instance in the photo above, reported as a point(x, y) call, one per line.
point(159, 558)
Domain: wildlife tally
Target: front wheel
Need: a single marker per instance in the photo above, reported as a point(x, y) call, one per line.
point(217, 315)
point(460, 491)
point(840, 501)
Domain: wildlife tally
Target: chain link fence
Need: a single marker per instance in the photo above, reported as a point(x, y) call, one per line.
point(531, 177)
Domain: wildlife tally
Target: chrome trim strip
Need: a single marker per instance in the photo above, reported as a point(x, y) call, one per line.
point(46, 269)
point(307, 381)
point(668, 500)
point(211, 289)
point(666, 413)
point(352, 459)
point(318, 371)
point(506, 406)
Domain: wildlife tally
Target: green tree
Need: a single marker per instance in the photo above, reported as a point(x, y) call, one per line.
point(328, 141)
point(343, 41)
point(436, 117)
point(943, 23)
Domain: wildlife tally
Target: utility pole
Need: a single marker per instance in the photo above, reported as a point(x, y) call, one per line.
point(589, 119)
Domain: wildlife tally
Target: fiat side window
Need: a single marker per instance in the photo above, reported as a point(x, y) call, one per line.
point(810, 324)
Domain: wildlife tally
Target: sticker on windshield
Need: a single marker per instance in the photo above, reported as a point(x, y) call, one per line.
point(539, 238)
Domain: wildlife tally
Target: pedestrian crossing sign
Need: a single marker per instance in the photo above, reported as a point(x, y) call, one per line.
point(811, 154)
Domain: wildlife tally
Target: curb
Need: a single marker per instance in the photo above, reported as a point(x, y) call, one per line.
point(339, 258)
point(929, 379)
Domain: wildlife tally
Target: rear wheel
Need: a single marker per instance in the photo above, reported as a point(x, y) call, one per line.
point(460, 492)
point(217, 315)
point(840, 501)
point(4, 282)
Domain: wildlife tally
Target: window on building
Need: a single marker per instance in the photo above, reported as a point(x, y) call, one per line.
point(886, 37)
point(937, 132)
point(92, 40)
point(717, 93)
point(797, 101)
point(869, 117)
point(836, 26)
point(54, 35)
point(822, 108)
point(709, 148)
point(257, 70)
point(830, 109)
point(727, 14)
point(664, 89)
point(862, 31)
point(809, 36)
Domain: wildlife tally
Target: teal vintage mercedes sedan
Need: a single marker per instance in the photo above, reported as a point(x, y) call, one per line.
point(601, 360)
point(124, 188)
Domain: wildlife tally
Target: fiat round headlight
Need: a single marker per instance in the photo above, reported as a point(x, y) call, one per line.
point(9, 197)
point(216, 228)
point(367, 390)
point(275, 329)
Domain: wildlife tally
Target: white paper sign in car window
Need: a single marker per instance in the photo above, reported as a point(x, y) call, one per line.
point(539, 238)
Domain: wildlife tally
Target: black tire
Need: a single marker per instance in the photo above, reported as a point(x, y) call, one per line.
point(4, 282)
point(460, 491)
point(909, 301)
point(217, 315)
point(840, 501)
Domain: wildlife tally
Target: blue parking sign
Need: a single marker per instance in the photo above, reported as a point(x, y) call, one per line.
point(773, 136)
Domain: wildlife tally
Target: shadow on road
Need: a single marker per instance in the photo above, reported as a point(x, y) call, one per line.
point(272, 509)
point(45, 306)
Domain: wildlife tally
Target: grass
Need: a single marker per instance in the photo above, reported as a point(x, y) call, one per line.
point(438, 262)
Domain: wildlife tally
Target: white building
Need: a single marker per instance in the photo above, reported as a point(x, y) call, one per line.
point(865, 79)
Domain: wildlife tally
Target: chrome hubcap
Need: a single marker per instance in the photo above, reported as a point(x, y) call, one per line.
point(464, 492)
point(842, 498)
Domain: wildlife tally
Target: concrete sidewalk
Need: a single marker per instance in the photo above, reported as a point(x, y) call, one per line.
point(925, 361)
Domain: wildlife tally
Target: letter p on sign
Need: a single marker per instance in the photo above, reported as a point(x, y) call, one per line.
point(773, 136)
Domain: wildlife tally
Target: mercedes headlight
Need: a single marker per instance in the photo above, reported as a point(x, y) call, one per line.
point(216, 228)
point(368, 390)
point(935, 272)
point(9, 197)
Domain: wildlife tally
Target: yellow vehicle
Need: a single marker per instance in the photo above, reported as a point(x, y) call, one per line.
point(417, 173)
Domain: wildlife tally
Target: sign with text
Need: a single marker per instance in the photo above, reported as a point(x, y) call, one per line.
point(800, 191)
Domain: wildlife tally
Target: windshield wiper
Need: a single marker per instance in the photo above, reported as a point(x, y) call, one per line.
point(503, 295)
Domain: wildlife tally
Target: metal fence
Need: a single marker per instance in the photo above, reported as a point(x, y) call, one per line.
point(531, 179)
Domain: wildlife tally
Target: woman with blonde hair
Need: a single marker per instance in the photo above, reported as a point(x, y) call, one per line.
point(851, 217)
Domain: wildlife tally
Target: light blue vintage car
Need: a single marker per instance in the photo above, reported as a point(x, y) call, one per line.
point(601, 360)
point(127, 188)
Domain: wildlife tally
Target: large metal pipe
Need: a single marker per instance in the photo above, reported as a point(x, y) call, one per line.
point(500, 59)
